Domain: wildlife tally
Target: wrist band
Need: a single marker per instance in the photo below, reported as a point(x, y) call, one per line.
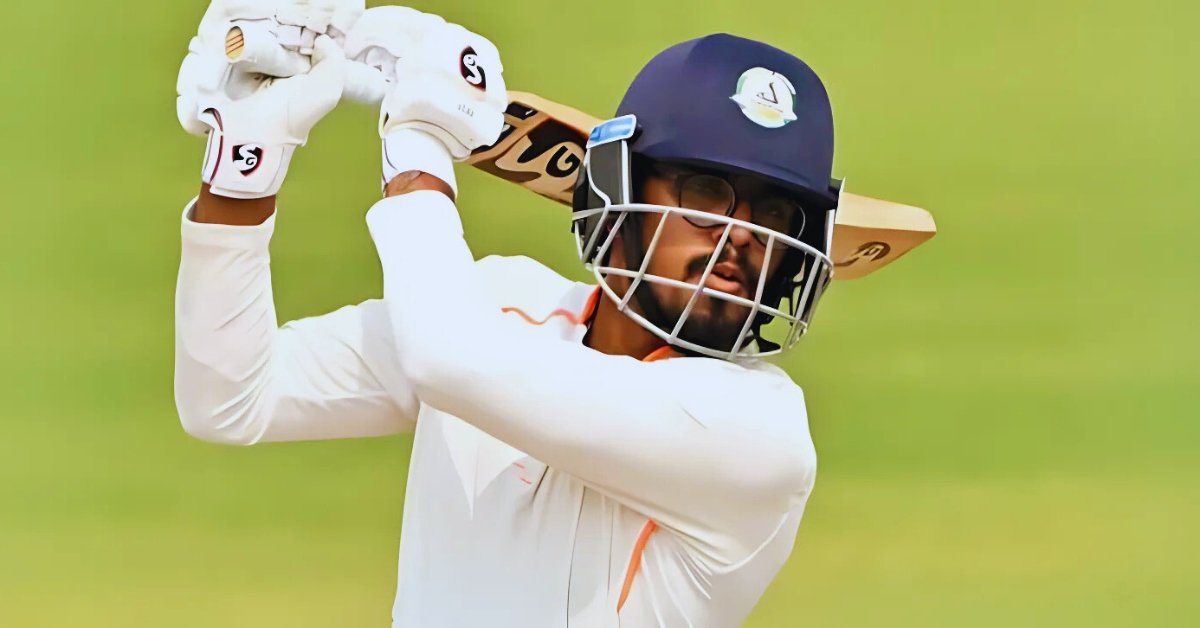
point(406, 150)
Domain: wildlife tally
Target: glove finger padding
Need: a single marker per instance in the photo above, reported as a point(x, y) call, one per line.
point(313, 15)
point(251, 140)
point(452, 87)
point(249, 9)
point(203, 67)
point(317, 93)
point(346, 14)
point(267, 47)
point(221, 58)
point(201, 71)
point(281, 43)
point(257, 78)
point(394, 29)
point(377, 40)
point(365, 85)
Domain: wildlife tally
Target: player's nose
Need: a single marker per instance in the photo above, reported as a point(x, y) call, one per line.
point(739, 236)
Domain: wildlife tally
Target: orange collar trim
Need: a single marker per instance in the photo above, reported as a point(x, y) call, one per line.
point(662, 353)
point(589, 308)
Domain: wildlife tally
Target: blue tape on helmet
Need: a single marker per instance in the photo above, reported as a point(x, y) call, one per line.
point(621, 128)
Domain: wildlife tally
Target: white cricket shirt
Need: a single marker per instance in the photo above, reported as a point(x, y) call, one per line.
point(550, 485)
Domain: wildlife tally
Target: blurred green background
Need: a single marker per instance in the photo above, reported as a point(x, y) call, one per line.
point(1006, 418)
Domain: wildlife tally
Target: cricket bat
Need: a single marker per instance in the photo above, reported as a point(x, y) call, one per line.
point(542, 147)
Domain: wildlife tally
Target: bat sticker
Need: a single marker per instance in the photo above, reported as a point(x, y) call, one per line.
point(869, 252)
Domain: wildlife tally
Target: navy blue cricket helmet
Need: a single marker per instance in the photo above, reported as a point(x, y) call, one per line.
point(731, 105)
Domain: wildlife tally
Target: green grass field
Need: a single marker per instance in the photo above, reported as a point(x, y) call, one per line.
point(1006, 428)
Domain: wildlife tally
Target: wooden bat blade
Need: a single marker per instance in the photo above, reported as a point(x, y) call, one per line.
point(870, 234)
point(542, 147)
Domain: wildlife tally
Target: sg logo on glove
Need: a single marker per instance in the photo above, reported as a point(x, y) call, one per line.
point(471, 70)
point(247, 157)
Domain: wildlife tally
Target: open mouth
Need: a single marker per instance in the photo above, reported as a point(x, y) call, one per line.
point(728, 278)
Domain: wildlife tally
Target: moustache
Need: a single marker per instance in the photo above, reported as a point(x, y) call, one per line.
point(700, 262)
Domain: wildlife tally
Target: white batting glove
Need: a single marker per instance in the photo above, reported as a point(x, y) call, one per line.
point(446, 94)
point(244, 33)
point(451, 86)
point(377, 40)
point(276, 37)
point(253, 121)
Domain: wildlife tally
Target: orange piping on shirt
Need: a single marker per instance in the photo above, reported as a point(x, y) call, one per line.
point(567, 314)
point(576, 319)
point(582, 318)
point(639, 547)
point(661, 353)
point(635, 560)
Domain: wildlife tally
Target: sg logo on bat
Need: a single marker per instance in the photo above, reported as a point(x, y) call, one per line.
point(869, 252)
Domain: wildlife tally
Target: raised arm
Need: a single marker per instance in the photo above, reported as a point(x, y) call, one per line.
point(693, 443)
point(239, 379)
point(663, 437)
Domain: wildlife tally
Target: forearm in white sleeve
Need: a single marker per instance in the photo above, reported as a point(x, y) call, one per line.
point(240, 380)
point(614, 422)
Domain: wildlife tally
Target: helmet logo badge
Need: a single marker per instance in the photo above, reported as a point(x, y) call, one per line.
point(767, 98)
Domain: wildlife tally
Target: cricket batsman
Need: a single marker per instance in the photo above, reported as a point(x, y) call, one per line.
point(605, 455)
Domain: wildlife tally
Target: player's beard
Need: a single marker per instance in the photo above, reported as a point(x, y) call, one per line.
point(713, 322)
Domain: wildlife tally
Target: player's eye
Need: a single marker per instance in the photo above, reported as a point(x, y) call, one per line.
point(775, 213)
point(705, 193)
point(778, 214)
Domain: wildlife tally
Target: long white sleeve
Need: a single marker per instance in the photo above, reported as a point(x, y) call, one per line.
point(241, 380)
point(691, 442)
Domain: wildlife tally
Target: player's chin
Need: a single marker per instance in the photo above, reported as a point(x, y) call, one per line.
point(715, 323)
